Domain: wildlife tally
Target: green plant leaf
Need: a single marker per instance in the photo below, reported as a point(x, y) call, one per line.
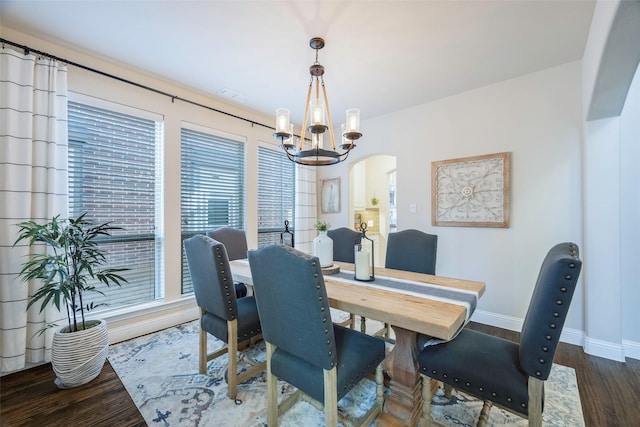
point(68, 256)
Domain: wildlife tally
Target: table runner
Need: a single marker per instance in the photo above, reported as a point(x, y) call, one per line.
point(465, 298)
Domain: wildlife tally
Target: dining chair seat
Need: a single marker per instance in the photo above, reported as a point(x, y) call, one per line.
point(247, 317)
point(351, 347)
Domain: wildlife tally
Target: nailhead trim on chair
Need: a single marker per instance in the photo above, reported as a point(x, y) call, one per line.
point(225, 279)
point(468, 386)
point(324, 318)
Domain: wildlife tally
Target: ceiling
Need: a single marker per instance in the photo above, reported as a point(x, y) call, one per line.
point(380, 56)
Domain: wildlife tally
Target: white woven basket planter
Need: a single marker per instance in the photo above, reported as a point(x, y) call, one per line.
point(78, 357)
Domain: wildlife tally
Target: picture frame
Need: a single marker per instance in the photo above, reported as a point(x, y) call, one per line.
point(330, 195)
point(471, 191)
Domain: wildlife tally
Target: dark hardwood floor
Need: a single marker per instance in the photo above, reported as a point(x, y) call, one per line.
point(609, 393)
point(30, 398)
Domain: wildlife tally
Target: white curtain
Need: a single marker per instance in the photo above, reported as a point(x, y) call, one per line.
point(306, 207)
point(33, 186)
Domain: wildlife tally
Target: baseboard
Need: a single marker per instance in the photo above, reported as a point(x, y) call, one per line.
point(594, 347)
point(631, 349)
point(497, 320)
point(606, 349)
point(569, 336)
point(125, 326)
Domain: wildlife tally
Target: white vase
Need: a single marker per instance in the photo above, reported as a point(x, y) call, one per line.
point(323, 249)
point(78, 357)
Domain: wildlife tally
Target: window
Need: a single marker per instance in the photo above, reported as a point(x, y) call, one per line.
point(276, 194)
point(212, 185)
point(114, 176)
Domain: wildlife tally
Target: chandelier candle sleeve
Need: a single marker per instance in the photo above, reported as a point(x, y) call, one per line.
point(353, 120)
point(317, 112)
point(282, 122)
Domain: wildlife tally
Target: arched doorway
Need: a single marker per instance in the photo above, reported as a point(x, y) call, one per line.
point(372, 195)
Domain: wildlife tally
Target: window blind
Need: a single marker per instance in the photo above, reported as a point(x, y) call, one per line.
point(114, 165)
point(276, 194)
point(212, 186)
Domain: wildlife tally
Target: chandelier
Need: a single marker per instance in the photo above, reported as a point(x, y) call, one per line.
point(314, 151)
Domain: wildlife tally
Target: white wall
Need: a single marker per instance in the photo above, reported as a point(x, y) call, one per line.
point(611, 152)
point(630, 214)
point(538, 119)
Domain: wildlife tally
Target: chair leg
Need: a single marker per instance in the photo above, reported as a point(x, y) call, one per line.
point(448, 391)
point(536, 388)
point(272, 389)
point(352, 321)
point(427, 395)
point(379, 385)
point(363, 324)
point(484, 413)
point(331, 397)
point(232, 364)
point(202, 353)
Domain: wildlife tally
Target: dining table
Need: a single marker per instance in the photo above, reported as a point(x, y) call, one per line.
point(413, 304)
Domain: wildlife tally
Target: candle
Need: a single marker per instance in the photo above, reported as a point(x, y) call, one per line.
point(362, 265)
point(317, 112)
point(353, 120)
point(282, 120)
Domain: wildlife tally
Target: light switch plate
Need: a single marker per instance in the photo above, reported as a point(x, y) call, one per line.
point(412, 208)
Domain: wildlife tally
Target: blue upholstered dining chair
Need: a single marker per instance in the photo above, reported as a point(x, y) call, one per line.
point(232, 320)
point(343, 250)
point(504, 373)
point(304, 347)
point(235, 242)
point(233, 239)
point(410, 250)
point(343, 243)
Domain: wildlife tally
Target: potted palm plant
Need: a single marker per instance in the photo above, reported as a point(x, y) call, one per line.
point(69, 270)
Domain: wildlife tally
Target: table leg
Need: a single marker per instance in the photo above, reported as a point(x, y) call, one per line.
point(404, 404)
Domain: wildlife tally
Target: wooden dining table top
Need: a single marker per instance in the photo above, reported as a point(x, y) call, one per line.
point(435, 318)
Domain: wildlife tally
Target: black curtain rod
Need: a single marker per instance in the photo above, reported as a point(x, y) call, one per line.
point(28, 50)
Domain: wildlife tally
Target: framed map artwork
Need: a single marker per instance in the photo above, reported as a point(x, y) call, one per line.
point(471, 191)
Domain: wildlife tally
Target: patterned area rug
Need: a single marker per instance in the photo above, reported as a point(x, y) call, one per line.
point(160, 372)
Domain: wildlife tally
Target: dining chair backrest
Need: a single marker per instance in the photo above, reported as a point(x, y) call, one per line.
point(412, 250)
point(343, 243)
point(234, 240)
point(281, 273)
point(211, 276)
point(548, 309)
